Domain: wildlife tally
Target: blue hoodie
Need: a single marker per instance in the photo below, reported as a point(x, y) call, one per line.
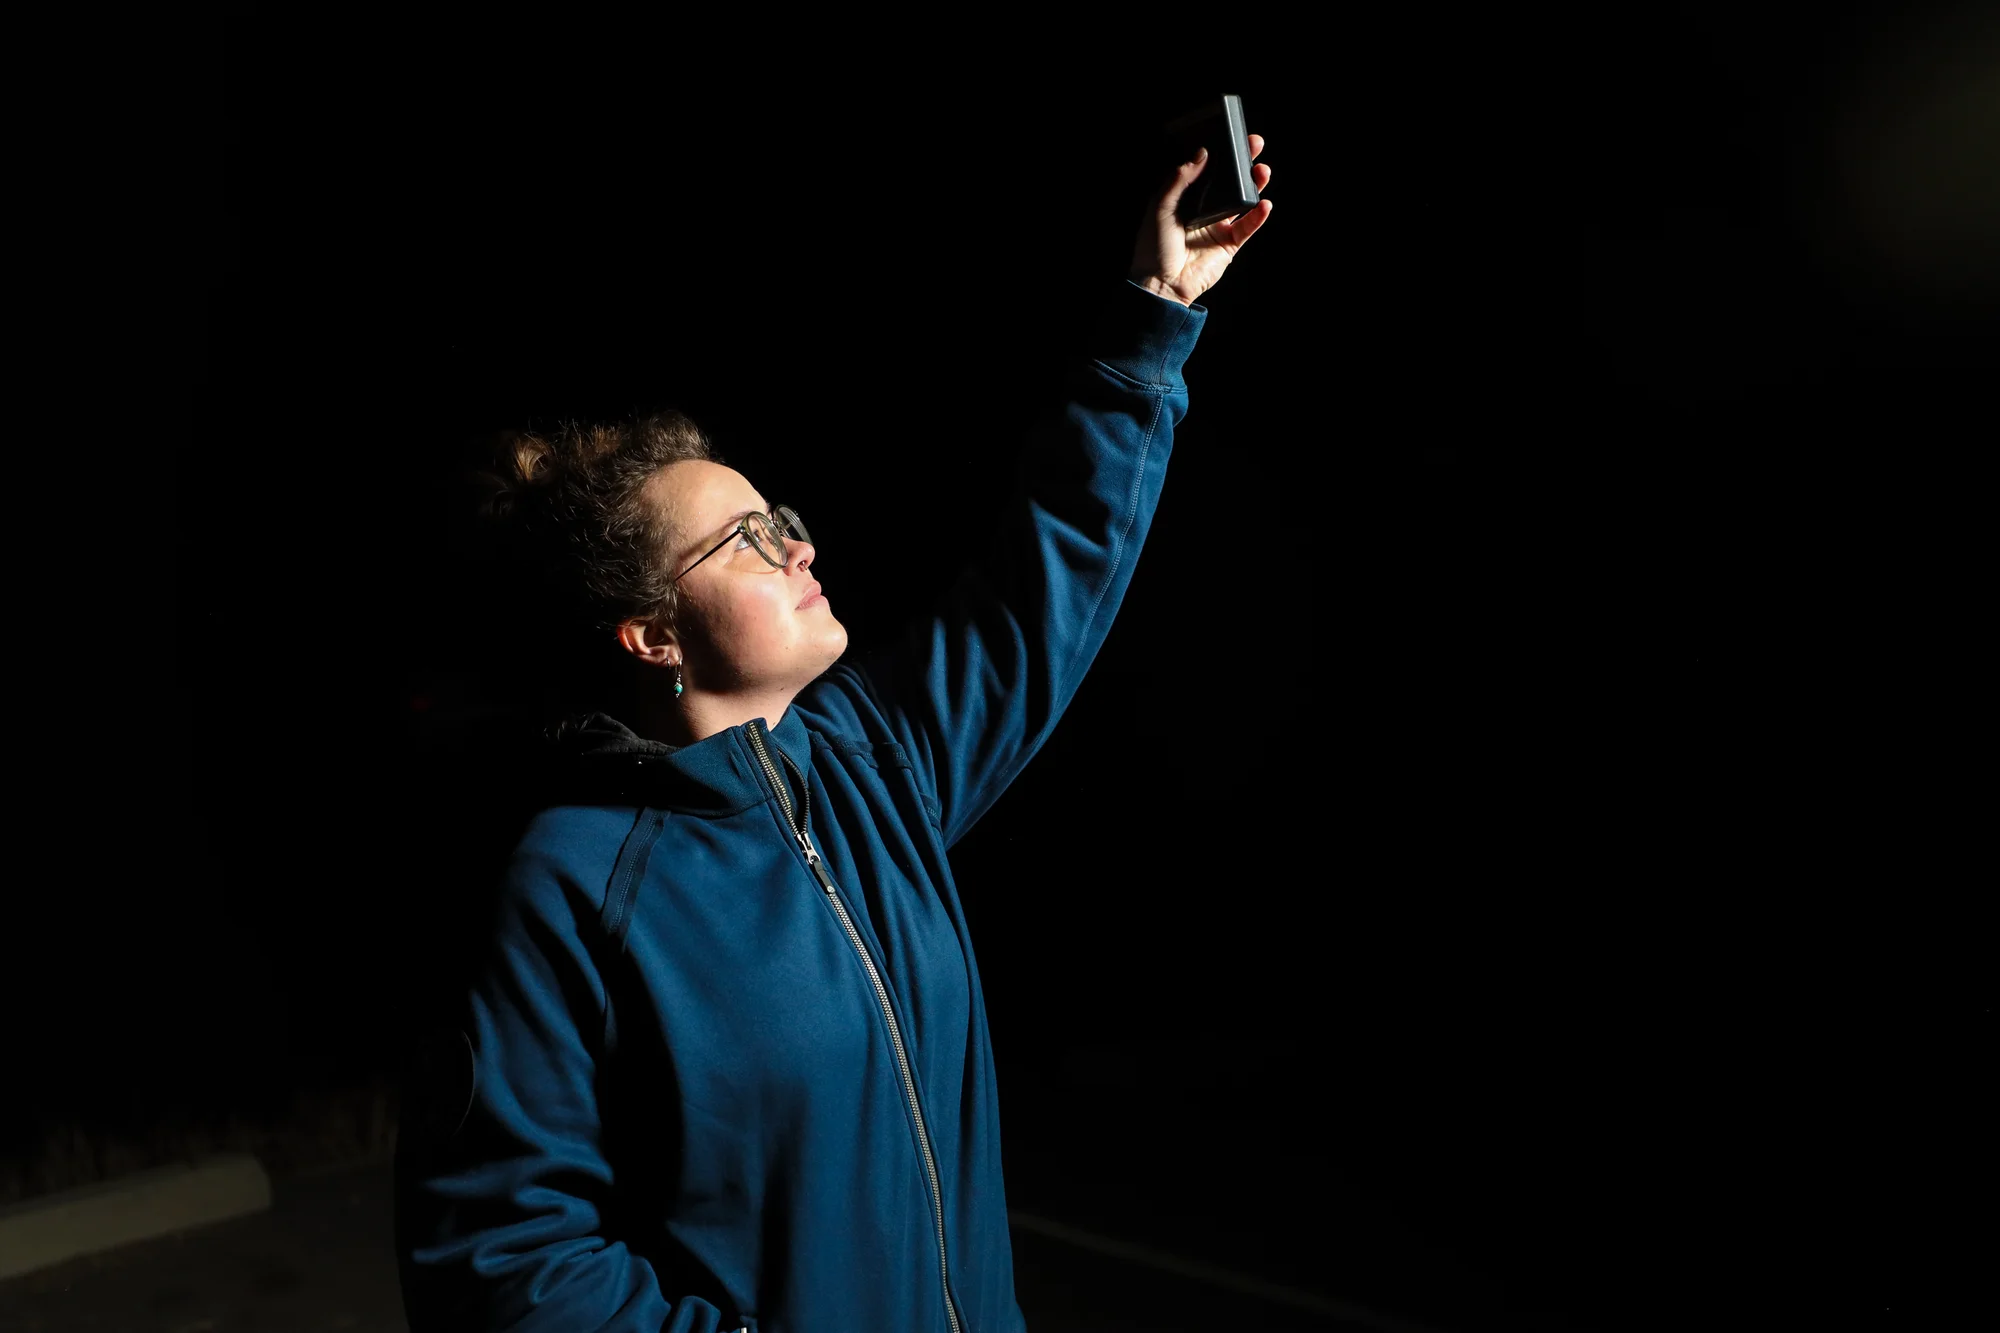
point(726, 1063)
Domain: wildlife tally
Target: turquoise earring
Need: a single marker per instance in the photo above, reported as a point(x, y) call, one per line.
point(677, 680)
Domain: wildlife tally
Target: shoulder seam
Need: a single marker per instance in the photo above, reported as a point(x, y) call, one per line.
point(629, 869)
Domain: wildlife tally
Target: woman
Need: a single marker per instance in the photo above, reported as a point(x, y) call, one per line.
point(726, 1063)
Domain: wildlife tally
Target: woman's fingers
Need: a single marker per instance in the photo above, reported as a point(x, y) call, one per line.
point(1183, 178)
point(1244, 225)
point(1256, 144)
point(1260, 176)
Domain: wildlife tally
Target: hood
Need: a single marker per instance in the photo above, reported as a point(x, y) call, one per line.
point(596, 759)
point(588, 736)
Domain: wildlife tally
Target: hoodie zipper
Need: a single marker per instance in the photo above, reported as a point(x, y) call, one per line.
point(798, 824)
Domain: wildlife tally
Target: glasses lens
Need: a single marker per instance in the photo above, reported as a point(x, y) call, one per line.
point(765, 539)
point(769, 540)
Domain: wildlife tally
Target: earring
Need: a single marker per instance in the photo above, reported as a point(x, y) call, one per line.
point(677, 680)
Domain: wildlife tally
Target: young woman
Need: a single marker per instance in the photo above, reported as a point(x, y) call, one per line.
point(725, 1065)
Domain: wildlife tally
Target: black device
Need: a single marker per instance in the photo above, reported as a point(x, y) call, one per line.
point(1224, 187)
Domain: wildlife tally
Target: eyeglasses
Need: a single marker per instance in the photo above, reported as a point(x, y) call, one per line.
point(766, 533)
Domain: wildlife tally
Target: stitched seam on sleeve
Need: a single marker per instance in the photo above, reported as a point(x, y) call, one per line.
point(631, 866)
point(1013, 770)
point(1167, 344)
point(1125, 528)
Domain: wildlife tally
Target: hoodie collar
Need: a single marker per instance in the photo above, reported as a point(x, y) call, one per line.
point(600, 758)
point(791, 737)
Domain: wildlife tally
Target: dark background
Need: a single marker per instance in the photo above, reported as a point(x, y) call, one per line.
point(1507, 858)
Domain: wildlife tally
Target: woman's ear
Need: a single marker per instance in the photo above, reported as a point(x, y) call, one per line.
point(649, 643)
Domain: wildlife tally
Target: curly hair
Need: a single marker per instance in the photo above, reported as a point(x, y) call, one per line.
point(582, 548)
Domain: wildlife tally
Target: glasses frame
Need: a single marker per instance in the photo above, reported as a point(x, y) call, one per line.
point(742, 529)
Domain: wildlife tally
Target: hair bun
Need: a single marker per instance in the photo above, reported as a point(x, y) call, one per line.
point(562, 517)
point(531, 460)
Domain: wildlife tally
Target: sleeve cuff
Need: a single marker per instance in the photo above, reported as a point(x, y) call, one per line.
point(1146, 337)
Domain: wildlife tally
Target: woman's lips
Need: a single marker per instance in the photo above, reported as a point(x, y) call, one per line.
point(813, 598)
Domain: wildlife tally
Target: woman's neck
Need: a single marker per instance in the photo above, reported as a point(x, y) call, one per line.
point(695, 716)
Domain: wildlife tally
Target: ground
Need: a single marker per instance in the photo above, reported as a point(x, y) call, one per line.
point(321, 1260)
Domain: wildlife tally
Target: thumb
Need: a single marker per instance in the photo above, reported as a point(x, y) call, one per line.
point(1183, 177)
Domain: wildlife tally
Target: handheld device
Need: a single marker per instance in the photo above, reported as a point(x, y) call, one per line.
point(1224, 187)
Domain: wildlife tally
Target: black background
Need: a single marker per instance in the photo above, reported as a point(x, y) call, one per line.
point(1506, 856)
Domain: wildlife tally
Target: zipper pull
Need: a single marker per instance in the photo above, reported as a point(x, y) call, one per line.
point(812, 860)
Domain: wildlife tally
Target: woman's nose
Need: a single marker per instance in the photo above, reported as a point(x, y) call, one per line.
point(801, 552)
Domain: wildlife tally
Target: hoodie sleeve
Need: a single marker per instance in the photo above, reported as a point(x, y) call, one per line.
point(972, 691)
point(500, 1219)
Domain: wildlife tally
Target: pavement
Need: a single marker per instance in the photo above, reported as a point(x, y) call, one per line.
point(321, 1260)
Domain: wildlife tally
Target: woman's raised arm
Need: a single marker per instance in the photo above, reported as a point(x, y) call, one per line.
point(973, 690)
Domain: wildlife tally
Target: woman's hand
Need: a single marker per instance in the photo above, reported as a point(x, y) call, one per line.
point(1180, 263)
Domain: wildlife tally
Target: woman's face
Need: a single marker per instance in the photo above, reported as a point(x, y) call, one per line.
point(743, 627)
